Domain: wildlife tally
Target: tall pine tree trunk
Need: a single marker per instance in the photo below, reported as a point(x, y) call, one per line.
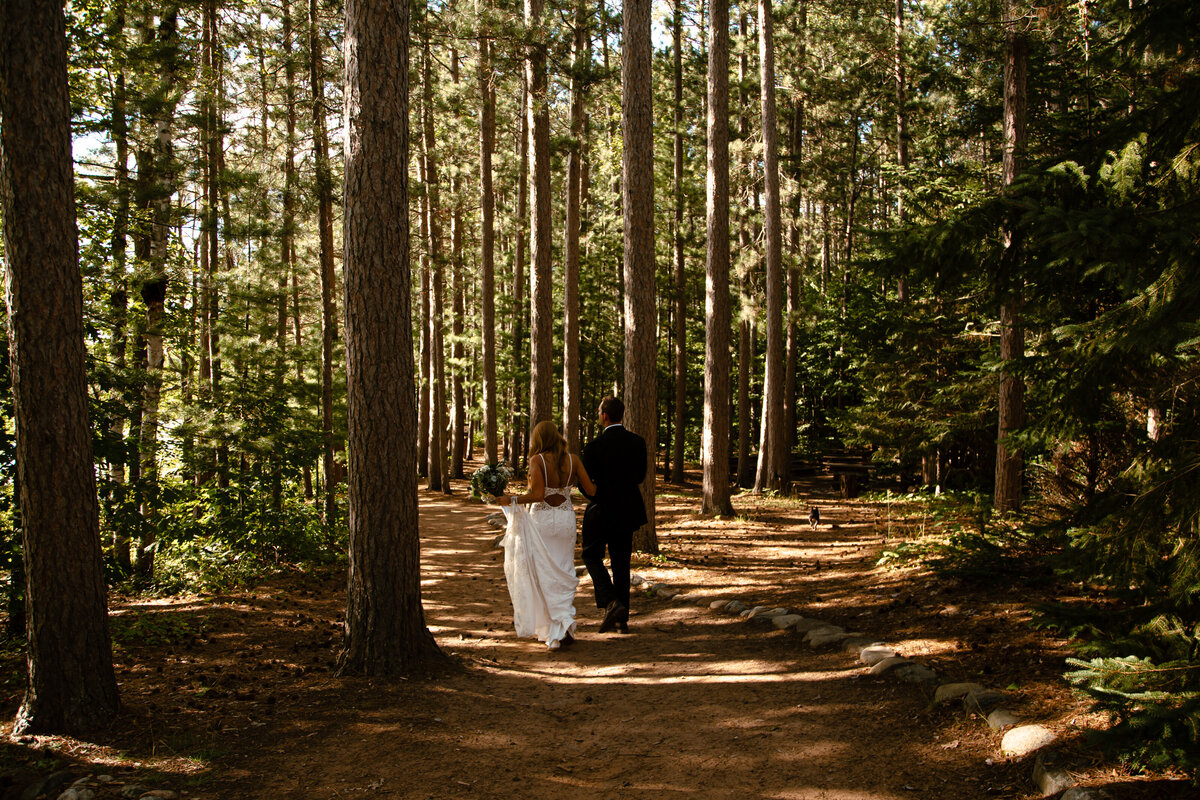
point(71, 686)
point(118, 300)
point(438, 478)
point(328, 278)
point(637, 181)
point(385, 624)
point(458, 421)
point(772, 455)
point(901, 130)
point(1010, 460)
point(287, 249)
point(487, 245)
point(571, 378)
point(541, 361)
point(714, 443)
point(154, 289)
point(680, 272)
point(516, 452)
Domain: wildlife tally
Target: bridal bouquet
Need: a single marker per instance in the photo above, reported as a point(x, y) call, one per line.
point(490, 480)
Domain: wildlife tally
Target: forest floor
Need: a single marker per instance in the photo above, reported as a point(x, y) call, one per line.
point(234, 695)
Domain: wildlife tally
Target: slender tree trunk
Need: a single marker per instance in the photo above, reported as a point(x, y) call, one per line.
point(458, 422)
point(772, 457)
point(287, 248)
point(118, 300)
point(71, 686)
point(745, 318)
point(487, 206)
point(385, 624)
point(328, 278)
point(541, 360)
point(516, 452)
point(438, 479)
point(425, 382)
point(571, 382)
point(901, 131)
point(1009, 458)
point(680, 271)
point(714, 444)
point(799, 251)
point(637, 181)
point(154, 292)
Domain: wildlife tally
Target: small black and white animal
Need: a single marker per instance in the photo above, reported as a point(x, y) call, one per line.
point(814, 517)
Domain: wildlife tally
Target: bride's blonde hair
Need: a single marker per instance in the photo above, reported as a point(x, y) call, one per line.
point(546, 439)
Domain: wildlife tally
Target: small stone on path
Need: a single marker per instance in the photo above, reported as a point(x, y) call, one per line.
point(786, 621)
point(1025, 740)
point(1002, 718)
point(953, 691)
point(1049, 775)
point(886, 665)
point(915, 672)
point(983, 701)
point(875, 654)
point(717, 605)
point(734, 607)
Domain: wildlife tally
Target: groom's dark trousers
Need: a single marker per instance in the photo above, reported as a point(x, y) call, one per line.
point(616, 462)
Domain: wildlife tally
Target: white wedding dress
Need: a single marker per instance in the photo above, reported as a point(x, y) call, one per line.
point(539, 565)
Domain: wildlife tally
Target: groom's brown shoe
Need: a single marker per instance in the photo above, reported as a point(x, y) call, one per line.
point(614, 615)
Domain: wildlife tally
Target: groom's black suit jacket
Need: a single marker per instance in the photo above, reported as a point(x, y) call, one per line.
point(616, 463)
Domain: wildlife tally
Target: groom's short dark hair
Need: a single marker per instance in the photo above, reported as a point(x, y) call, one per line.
point(613, 408)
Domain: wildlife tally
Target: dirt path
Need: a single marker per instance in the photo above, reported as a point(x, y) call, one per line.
point(689, 704)
point(235, 696)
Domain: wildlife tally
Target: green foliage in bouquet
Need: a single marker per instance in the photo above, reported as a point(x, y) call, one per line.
point(490, 479)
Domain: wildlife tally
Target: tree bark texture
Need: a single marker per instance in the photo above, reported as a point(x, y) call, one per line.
point(772, 455)
point(385, 624)
point(714, 442)
point(637, 181)
point(71, 686)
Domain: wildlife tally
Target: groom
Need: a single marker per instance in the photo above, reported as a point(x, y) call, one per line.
point(616, 462)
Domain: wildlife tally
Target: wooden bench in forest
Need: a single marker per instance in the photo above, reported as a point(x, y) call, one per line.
point(851, 470)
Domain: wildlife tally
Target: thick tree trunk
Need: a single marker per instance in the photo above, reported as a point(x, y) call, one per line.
point(637, 181)
point(541, 362)
point(714, 443)
point(1009, 458)
point(487, 206)
point(571, 380)
point(328, 277)
point(680, 272)
point(772, 455)
point(385, 625)
point(71, 686)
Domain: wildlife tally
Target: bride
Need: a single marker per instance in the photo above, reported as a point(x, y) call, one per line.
point(539, 546)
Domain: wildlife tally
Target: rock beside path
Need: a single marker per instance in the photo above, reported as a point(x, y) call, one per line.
point(1026, 739)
